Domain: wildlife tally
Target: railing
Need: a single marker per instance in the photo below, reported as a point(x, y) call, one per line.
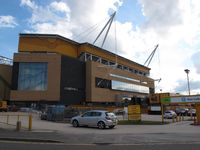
point(6, 61)
point(14, 119)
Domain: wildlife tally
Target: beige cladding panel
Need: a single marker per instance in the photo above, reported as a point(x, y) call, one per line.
point(53, 87)
point(107, 95)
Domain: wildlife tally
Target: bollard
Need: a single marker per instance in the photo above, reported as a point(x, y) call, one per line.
point(18, 126)
point(176, 118)
point(173, 119)
point(7, 119)
point(191, 116)
point(179, 117)
point(30, 123)
point(195, 120)
point(182, 117)
point(17, 117)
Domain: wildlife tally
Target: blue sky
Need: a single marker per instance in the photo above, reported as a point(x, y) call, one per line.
point(140, 25)
point(8, 35)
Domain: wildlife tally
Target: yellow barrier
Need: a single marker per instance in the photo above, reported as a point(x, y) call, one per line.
point(30, 123)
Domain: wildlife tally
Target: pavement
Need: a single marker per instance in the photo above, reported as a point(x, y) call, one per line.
point(51, 132)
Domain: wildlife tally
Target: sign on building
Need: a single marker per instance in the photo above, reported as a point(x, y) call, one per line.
point(181, 99)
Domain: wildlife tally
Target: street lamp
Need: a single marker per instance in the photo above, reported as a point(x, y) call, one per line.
point(187, 72)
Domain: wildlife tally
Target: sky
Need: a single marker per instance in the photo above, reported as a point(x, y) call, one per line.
point(139, 25)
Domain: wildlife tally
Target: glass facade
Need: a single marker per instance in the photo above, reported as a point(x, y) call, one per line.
point(117, 85)
point(32, 76)
point(102, 83)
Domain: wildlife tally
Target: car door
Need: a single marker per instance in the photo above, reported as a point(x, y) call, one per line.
point(85, 119)
point(95, 118)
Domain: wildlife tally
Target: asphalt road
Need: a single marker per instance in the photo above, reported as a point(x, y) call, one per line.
point(39, 146)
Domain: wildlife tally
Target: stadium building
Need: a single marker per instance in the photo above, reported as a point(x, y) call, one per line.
point(52, 69)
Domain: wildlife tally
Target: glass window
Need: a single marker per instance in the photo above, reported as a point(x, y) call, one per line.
point(111, 63)
point(88, 56)
point(32, 76)
point(119, 66)
point(105, 62)
point(125, 68)
point(96, 114)
point(117, 85)
point(95, 58)
point(87, 114)
point(82, 56)
point(102, 83)
point(131, 70)
point(140, 73)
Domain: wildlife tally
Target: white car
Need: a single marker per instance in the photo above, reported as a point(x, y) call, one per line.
point(97, 118)
point(170, 114)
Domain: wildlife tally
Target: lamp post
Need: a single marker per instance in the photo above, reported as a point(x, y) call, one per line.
point(187, 72)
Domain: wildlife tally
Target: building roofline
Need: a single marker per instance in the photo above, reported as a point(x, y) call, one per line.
point(76, 43)
point(48, 35)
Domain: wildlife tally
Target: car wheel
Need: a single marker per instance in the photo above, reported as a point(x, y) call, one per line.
point(75, 123)
point(101, 125)
point(111, 127)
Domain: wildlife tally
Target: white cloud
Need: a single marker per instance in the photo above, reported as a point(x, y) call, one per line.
point(60, 6)
point(29, 3)
point(161, 14)
point(7, 21)
point(196, 58)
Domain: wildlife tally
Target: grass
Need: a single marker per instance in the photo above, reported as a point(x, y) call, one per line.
point(142, 122)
